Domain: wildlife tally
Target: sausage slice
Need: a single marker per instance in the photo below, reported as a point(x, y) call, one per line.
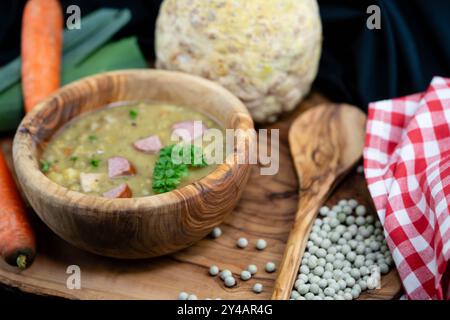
point(189, 130)
point(150, 144)
point(119, 167)
point(121, 191)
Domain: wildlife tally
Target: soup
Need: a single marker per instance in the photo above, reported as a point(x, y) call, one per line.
point(112, 152)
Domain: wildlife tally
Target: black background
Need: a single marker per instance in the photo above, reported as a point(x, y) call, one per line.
point(144, 14)
point(358, 65)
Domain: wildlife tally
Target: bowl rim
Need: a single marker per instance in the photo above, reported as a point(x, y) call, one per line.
point(26, 161)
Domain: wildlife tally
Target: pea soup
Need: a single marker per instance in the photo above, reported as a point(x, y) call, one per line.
point(112, 152)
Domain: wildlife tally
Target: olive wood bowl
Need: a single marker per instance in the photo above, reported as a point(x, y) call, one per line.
point(137, 227)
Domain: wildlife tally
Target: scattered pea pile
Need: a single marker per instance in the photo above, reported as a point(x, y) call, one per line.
point(344, 247)
point(227, 276)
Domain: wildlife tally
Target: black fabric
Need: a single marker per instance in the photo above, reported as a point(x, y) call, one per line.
point(144, 13)
point(358, 65)
point(10, 24)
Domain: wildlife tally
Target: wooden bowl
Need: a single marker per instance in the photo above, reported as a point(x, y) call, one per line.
point(139, 227)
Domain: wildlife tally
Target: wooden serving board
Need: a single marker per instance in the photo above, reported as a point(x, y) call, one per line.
point(266, 210)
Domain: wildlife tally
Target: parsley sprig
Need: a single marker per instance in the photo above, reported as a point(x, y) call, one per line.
point(167, 174)
point(95, 162)
point(133, 114)
point(92, 138)
point(45, 166)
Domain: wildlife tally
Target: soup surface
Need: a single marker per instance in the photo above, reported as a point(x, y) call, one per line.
point(112, 152)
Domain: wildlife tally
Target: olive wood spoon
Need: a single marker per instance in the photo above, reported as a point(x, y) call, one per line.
point(326, 142)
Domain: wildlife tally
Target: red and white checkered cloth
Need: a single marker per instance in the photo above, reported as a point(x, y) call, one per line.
point(407, 167)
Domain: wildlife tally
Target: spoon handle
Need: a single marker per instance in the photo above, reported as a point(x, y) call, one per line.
point(309, 204)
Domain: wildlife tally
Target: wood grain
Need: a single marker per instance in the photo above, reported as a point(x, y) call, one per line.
point(139, 227)
point(326, 142)
point(266, 210)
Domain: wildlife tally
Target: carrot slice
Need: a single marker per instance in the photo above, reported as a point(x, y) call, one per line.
point(17, 239)
point(42, 30)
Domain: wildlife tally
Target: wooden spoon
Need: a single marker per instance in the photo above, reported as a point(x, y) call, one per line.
point(326, 142)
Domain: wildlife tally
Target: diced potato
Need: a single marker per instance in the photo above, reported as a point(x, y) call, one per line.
point(94, 126)
point(71, 175)
point(90, 181)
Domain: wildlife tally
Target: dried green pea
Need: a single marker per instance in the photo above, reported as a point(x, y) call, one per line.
point(252, 268)
point(270, 267)
point(245, 275)
point(257, 288)
point(214, 270)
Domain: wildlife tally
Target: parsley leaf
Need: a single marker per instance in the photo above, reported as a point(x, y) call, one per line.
point(197, 157)
point(73, 158)
point(167, 175)
point(45, 166)
point(95, 162)
point(133, 114)
point(92, 138)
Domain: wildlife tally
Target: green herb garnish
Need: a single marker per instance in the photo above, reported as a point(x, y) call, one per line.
point(197, 157)
point(73, 158)
point(95, 162)
point(133, 114)
point(92, 138)
point(45, 166)
point(167, 175)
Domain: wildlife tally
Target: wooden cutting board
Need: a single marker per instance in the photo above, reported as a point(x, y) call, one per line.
point(266, 210)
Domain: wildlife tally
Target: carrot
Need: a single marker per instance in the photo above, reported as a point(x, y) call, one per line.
point(17, 240)
point(42, 30)
point(42, 25)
